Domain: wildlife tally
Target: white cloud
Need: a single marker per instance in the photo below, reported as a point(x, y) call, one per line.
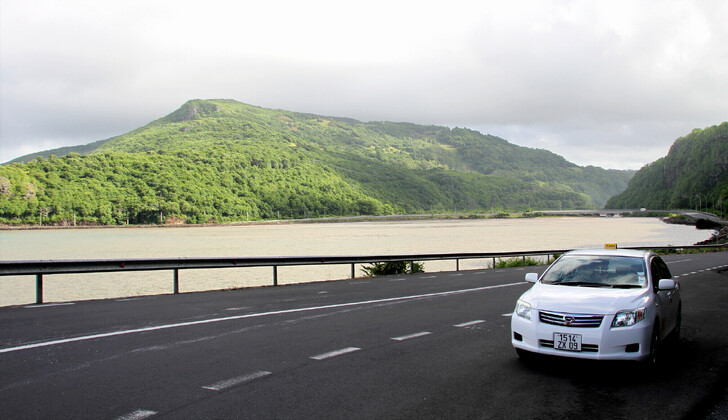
point(569, 76)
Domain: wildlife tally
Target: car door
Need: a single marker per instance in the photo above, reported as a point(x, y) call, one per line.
point(666, 303)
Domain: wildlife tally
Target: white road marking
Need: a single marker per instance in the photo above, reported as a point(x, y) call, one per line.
point(428, 277)
point(137, 415)
point(397, 279)
point(48, 305)
point(508, 314)
point(335, 353)
point(254, 315)
point(237, 309)
point(411, 336)
point(219, 386)
point(467, 324)
point(456, 274)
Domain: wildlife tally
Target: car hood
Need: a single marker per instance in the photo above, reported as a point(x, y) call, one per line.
point(585, 300)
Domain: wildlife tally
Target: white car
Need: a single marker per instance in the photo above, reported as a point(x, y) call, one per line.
point(599, 304)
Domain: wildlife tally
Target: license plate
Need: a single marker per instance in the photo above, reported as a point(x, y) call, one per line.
point(568, 342)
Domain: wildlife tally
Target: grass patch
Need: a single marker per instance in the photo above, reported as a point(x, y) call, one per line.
point(515, 262)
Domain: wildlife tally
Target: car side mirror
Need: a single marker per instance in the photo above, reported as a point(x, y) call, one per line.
point(532, 277)
point(666, 284)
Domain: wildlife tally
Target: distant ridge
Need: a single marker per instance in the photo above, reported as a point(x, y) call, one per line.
point(222, 160)
point(693, 174)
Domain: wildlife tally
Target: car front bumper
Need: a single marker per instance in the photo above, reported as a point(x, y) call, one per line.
point(600, 343)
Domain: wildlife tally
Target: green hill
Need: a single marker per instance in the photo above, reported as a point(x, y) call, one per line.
point(221, 160)
point(693, 174)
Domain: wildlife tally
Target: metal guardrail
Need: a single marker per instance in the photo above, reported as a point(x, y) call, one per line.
point(39, 268)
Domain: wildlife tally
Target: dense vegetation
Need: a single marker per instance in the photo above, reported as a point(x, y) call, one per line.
point(221, 160)
point(393, 267)
point(693, 175)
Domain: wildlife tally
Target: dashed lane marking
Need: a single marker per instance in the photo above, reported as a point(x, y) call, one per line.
point(411, 336)
point(219, 386)
point(470, 323)
point(692, 273)
point(335, 353)
point(137, 415)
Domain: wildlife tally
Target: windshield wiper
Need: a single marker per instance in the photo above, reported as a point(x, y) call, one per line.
point(626, 286)
point(583, 283)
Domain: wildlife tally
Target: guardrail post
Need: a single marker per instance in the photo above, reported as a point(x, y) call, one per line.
point(524, 260)
point(493, 263)
point(39, 288)
point(457, 264)
point(176, 281)
point(353, 271)
point(412, 267)
point(275, 275)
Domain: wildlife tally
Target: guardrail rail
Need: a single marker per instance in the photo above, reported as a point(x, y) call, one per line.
point(39, 268)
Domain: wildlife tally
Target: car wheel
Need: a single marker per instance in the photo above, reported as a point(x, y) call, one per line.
point(652, 360)
point(524, 354)
point(678, 326)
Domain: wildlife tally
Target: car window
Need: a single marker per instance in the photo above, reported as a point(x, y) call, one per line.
point(655, 274)
point(659, 270)
point(596, 271)
point(664, 271)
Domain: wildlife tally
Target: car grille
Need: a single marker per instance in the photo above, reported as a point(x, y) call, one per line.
point(592, 348)
point(571, 320)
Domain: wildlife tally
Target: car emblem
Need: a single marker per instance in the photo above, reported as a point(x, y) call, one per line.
point(568, 320)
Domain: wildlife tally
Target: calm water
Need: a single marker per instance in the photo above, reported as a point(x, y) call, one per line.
point(361, 238)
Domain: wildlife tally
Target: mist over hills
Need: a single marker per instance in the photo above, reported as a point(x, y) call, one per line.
point(222, 160)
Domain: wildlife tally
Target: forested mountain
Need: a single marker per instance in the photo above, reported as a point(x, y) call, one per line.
point(221, 160)
point(693, 174)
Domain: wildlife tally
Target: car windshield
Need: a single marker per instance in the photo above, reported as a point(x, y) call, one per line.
point(597, 271)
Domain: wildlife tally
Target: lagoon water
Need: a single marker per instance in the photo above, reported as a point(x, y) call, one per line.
point(299, 239)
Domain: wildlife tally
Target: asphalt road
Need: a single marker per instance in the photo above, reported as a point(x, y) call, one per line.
point(433, 345)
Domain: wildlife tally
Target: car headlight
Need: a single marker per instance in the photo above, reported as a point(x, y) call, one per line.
point(523, 309)
point(628, 318)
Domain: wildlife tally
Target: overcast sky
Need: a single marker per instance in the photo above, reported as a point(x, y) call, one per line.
point(605, 83)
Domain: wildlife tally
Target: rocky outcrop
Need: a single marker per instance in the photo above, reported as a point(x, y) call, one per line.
point(719, 237)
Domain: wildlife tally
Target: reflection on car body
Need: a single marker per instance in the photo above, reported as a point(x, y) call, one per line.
point(599, 304)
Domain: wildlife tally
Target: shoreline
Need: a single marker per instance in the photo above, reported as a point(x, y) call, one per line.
point(666, 217)
point(337, 219)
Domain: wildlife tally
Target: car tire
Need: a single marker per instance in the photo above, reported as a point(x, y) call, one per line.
point(524, 355)
point(678, 327)
point(653, 359)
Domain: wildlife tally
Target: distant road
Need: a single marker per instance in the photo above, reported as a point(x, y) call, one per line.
point(433, 345)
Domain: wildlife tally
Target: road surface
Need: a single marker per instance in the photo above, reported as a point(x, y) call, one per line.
point(433, 345)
